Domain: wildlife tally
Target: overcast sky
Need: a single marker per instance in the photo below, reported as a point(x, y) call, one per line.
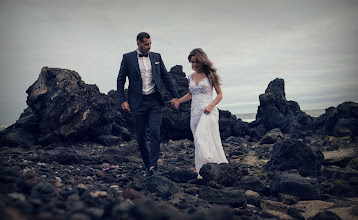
point(311, 44)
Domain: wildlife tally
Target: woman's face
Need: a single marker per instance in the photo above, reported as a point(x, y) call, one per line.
point(195, 64)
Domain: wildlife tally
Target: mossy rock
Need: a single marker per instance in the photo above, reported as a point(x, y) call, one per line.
point(331, 139)
point(269, 139)
point(353, 164)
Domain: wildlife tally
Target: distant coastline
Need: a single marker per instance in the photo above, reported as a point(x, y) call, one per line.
point(249, 117)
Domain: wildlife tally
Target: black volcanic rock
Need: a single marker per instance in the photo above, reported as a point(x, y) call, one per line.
point(296, 185)
point(230, 125)
point(62, 108)
point(294, 154)
point(233, 198)
point(276, 112)
point(341, 121)
point(226, 174)
point(176, 122)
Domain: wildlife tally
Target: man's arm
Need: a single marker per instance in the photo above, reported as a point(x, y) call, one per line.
point(121, 80)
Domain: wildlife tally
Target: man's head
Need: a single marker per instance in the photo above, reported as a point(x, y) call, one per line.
point(144, 42)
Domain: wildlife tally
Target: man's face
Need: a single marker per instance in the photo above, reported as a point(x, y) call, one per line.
point(144, 47)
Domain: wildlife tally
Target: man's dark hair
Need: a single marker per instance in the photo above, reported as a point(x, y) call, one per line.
point(141, 36)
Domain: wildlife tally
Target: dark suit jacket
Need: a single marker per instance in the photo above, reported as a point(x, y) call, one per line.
point(130, 68)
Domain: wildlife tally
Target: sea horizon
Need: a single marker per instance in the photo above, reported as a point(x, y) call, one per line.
point(250, 117)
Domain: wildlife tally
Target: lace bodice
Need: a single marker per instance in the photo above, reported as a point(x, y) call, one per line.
point(202, 96)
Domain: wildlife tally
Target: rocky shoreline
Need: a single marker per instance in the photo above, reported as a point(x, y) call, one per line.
point(284, 165)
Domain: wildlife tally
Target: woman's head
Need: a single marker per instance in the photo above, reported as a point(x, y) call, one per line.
point(199, 59)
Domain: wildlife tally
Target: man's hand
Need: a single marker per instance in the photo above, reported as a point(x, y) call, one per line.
point(175, 102)
point(125, 106)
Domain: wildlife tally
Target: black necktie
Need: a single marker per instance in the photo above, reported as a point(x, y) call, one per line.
point(143, 55)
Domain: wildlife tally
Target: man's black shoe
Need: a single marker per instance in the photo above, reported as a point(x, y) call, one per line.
point(154, 171)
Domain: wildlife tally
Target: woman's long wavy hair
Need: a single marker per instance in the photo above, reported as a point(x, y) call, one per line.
point(208, 66)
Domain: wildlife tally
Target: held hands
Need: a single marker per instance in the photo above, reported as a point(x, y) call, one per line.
point(125, 106)
point(175, 102)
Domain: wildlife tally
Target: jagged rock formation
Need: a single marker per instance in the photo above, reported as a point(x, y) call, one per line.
point(340, 121)
point(276, 112)
point(63, 108)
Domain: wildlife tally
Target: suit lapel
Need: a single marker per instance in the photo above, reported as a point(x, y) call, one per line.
point(151, 57)
point(135, 61)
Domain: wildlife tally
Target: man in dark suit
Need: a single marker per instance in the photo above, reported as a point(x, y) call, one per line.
point(147, 74)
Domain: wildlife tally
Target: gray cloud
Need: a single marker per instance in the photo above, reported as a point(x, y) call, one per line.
point(310, 44)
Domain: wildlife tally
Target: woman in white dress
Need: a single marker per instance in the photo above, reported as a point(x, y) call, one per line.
point(204, 120)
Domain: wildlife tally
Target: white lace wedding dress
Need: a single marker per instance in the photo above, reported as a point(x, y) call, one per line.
point(205, 128)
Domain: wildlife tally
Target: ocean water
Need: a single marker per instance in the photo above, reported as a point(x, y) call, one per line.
point(249, 117)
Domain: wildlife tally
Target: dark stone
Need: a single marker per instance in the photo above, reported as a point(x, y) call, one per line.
point(226, 174)
point(325, 215)
point(182, 176)
point(341, 121)
point(109, 140)
point(294, 154)
point(276, 112)
point(61, 107)
point(254, 184)
point(272, 136)
point(230, 125)
point(7, 176)
point(161, 186)
point(296, 185)
point(42, 189)
point(65, 157)
point(233, 198)
point(295, 213)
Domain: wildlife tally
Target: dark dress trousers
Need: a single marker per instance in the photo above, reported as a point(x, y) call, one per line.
point(146, 109)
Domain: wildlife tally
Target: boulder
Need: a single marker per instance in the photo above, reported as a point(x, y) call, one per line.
point(325, 215)
point(63, 108)
point(182, 175)
point(272, 136)
point(233, 198)
point(276, 112)
point(230, 125)
point(226, 174)
point(341, 121)
point(253, 183)
point(161, 187)
point(294, 184)
point(294, 154)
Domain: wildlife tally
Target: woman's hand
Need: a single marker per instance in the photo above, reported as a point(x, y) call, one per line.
point(208, 109)
point(175, 102)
